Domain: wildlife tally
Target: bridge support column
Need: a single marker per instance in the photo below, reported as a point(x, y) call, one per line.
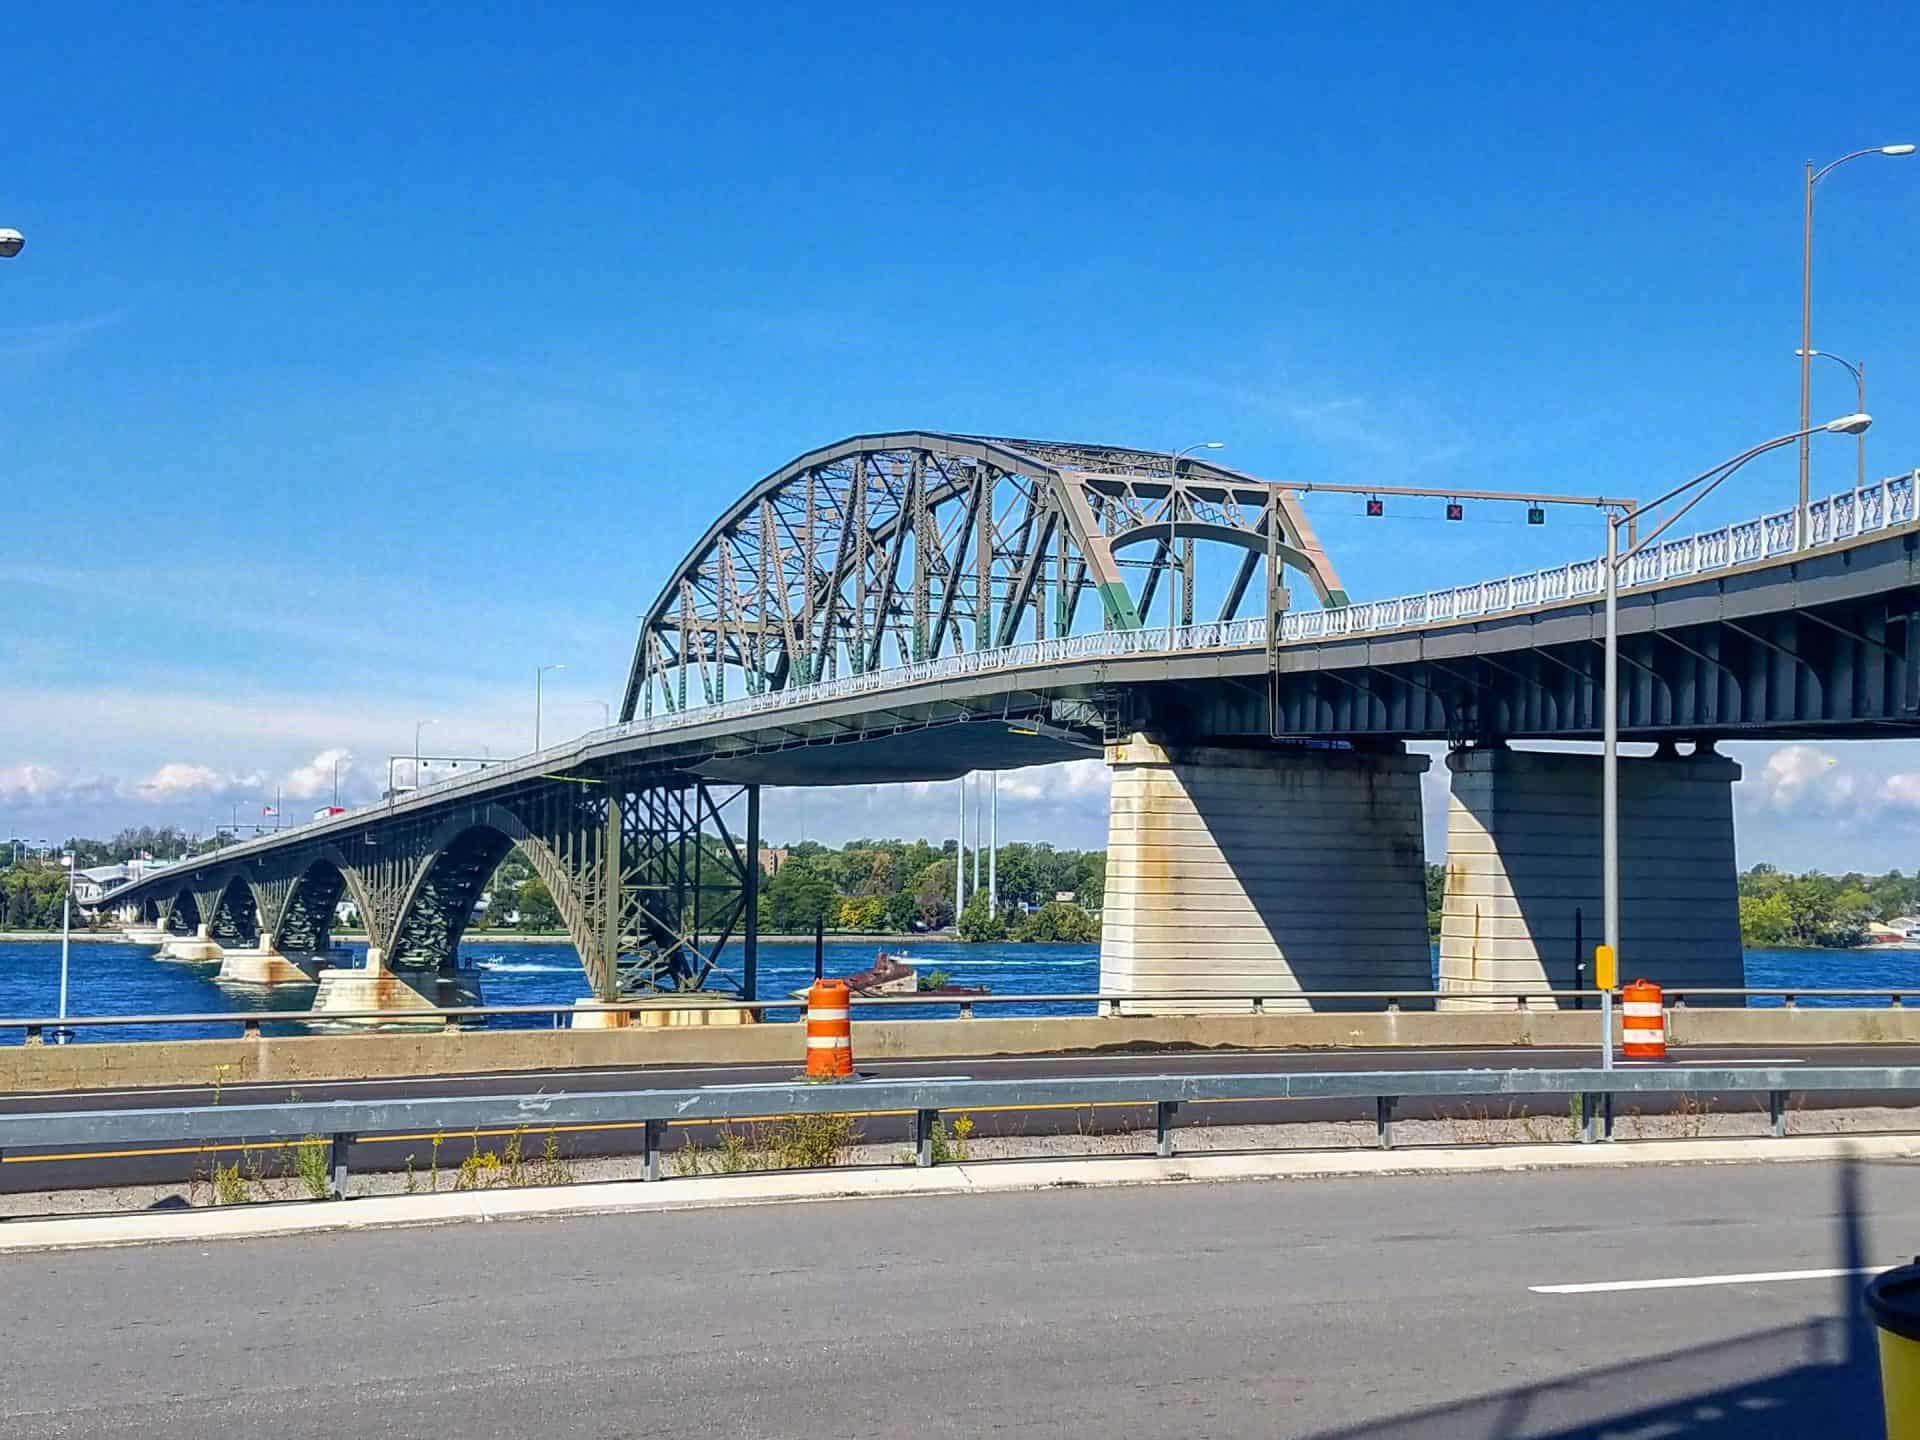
point(1262, 872)
point(199, 948)
point(1523, 856)
point(261, 965)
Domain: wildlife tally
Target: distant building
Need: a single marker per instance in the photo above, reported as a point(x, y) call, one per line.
point(771, 860)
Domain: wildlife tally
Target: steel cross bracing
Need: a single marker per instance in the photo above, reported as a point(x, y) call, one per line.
point(654, 917)
point(894, 550)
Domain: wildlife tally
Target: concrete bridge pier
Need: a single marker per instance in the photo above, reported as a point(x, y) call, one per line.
point(199, 948)
point(1523, 857)
point(374, 986)
point(1262, 871)
point(262, 964)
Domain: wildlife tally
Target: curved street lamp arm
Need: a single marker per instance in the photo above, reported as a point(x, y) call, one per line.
point(1710, 479)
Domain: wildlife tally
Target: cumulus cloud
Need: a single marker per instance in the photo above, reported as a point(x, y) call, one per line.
point(319, 775)
point(1074, 780)
point(1805, 777)
point(179, 780)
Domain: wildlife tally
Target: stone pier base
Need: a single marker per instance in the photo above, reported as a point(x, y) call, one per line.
point(147, 935)
point(1523, 861)
point(198, 949)
point(1262, 872)
point(373, 988)
point(262, 966)
point(656, 1011)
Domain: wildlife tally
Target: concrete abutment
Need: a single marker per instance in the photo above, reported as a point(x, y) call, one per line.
point(1524, 857)
point(1262, 872)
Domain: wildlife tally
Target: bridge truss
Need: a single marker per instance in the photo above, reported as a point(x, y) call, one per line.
point(650, 873)
point(895, 549)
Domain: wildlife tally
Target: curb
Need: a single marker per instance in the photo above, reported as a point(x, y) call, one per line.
point(85, 1232)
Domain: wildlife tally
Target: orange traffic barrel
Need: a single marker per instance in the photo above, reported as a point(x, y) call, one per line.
point(1643, 1022)
point(829, 1031)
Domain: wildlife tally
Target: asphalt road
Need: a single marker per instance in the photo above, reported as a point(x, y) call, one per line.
point(1366, 1309)
point(23, 1170)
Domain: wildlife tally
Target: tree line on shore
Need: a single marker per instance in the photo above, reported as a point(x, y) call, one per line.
point(902, 886)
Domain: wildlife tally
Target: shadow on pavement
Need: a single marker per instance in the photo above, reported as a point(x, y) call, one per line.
point(1817, 1378)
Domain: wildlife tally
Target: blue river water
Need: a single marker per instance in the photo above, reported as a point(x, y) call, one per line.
point(110, 978)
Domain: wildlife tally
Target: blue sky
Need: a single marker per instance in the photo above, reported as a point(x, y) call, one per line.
point(361, 361)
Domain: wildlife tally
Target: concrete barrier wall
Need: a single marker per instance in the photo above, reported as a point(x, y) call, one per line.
point(314, 1058)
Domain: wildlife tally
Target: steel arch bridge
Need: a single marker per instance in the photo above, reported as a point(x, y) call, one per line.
point(899, 548)
point(914, 605)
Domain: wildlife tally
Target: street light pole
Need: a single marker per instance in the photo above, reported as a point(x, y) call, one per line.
point(539, 673)
point(66, 933)
point(418, 726)
point(1806, 317)
point(960, 858)
point(1859, 373)
point(1706, 482)
point(1173, 536)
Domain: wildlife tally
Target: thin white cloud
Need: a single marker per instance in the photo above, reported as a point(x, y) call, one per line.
point(24, 342)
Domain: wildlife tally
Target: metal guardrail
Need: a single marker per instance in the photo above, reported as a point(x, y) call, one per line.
point(1107, 1005)
point(342, 1121)
point(1839, 518)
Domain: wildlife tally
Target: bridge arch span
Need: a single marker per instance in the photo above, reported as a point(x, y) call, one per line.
point(893, 548)
point(461, 856)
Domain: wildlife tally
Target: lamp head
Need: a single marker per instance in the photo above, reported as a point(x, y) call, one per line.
point(10, 243)
point(1896, 149)
point(1849, 424)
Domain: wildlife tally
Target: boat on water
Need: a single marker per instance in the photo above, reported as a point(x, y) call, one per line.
point(898, 973)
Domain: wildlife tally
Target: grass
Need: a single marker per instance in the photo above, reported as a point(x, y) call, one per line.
point(793, 1142)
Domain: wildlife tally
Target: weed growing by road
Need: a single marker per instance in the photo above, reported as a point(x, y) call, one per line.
point(229, 1185)
point(689, 1158)
point(552, 1170)
point(735, 1152)
point(807, 1142)
point(308, 1160)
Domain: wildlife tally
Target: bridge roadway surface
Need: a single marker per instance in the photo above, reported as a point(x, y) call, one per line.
point(27, 1170)
point(1382, 1308)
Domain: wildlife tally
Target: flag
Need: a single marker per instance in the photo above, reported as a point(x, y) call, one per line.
point(268, 810)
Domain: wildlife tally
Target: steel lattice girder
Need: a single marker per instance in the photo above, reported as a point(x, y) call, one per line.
point(683, 888)
point(889, 549)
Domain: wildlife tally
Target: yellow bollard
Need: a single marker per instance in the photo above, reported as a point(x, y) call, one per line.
point(1893, 1299)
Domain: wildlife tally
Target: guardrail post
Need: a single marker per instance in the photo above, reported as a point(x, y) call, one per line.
point(1383, 1107)
point(1606, 1116)
point(656, 1133)
point(1788, 1000)
point(924, 1123)
point(250, 1030)
point(1259, 1005)
point(966, 1010)
point(1110, 1008)
point(338, 1189)
point(1777, 1113)
point(1589, 1118)
point(34, 1037)
point(1393, 1004)
point(1163, 1113)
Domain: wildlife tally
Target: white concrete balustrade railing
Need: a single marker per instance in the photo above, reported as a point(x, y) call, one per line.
point(1842, 517)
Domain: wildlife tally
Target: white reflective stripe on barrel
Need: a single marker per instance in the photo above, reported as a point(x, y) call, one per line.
point(1646, 1037)
point(829, 1042)
point(1642, 1009)
point(818, 1014)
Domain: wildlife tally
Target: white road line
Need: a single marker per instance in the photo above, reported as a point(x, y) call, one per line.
point(1695, 1282)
